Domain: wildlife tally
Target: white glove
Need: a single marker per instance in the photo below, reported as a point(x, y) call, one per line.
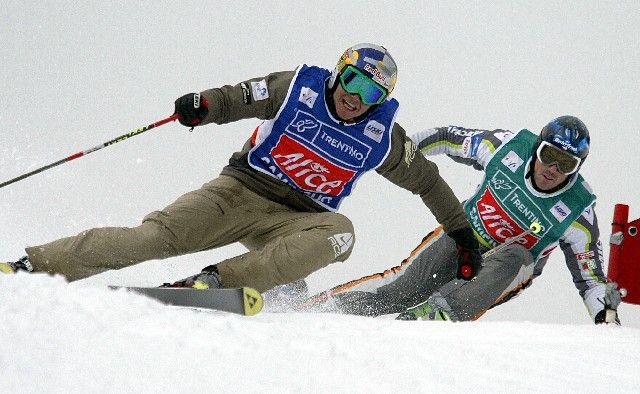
point(612, 299)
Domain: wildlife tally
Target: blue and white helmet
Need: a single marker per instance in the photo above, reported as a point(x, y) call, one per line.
point(373, 60)
point(567, 133)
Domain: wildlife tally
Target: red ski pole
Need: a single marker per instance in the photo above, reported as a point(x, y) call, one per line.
point(95, 148)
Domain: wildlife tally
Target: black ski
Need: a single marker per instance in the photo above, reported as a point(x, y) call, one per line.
point(243, 300)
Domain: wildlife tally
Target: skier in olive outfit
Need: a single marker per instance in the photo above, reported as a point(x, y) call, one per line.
point(279, 194)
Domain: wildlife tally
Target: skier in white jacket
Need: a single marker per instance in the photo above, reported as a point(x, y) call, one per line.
point(529, 180)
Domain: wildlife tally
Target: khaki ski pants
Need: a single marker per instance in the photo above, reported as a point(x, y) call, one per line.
point(284, 244)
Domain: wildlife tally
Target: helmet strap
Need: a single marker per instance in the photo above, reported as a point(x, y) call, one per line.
point(328, 94)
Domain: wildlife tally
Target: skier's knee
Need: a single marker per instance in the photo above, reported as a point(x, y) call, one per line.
point(519, 255)
point(341, 223)
point(154, 232)
point(341, 236)
point(511, 261)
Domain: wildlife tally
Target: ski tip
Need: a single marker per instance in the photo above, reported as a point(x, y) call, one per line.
point(253, 301)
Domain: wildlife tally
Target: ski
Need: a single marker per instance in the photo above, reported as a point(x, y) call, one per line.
point(242, 300)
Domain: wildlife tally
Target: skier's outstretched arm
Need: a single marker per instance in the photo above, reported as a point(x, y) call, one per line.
point(583, 255)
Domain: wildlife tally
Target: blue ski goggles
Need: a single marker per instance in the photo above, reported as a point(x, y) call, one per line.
point(354, 81)
point(565, 161)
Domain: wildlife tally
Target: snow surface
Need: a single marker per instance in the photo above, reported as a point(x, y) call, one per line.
point(76, 74)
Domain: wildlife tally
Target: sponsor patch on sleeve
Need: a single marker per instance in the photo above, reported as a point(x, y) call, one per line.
point(259, 90)
point(586, 260)
point(466, 147)
point(246, 93)
point(410, 149)
point(476, 140)
point(585, 255)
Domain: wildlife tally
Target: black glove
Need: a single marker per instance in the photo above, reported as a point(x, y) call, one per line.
point(192, 108)
point(612, 299)
point(469, 257)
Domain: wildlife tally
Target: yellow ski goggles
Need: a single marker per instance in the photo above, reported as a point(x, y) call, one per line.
point(565, 161)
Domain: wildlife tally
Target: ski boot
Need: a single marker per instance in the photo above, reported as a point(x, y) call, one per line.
point(12, 267)
point(424, 311)
point(209, 278)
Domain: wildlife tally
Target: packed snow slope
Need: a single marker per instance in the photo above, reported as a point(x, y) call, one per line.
point(74, 75)
point(72, 338)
